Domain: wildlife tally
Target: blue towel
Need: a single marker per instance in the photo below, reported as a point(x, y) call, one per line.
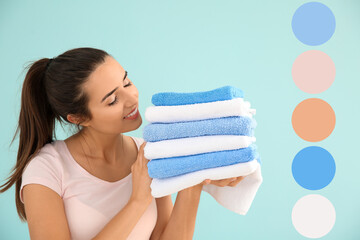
point(235, 125)
point(218, 94)
point(174, 166)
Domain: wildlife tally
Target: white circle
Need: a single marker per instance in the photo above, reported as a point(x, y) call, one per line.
point(313, 216)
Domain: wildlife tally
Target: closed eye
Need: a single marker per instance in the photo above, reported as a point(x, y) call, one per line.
point(116, 98)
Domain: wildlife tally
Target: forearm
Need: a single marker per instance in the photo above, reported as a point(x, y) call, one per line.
point(121, 225)
point(181, 224)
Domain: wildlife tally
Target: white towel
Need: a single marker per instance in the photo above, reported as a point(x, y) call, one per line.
point(195, 145)
point(199, 111)
point(237, 199)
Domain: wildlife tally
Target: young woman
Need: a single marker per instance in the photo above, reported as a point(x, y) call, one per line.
point(94, 184)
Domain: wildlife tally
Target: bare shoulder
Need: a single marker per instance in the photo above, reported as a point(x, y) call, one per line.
point(137, 140)
point(45, 213)
point(132, 147)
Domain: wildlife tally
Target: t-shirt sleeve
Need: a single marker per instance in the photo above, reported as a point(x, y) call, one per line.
point(44, 170)
point(139, 141)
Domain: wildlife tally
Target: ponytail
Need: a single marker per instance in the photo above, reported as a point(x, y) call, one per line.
point(52, 89)
point(36, 124)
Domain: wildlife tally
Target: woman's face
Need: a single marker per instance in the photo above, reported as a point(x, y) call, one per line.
point(111, 99)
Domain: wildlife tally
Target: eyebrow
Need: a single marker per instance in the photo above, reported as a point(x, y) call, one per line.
point(108, 94)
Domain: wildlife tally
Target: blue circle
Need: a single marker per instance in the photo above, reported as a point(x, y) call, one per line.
point(313, 23)
point(313, 168)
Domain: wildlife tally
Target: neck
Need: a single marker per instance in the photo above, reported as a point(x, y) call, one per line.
point(101, 146)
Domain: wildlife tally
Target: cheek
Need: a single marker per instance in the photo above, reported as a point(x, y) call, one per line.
point(116, 113)
point(119, 114)
point(110, 114)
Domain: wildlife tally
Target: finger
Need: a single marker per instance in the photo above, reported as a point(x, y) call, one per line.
point(206, 182)
point(142, 147)
point(141, 154)
point(222, 182)
point(141, 150)
point(235, 182)
point(144, 158)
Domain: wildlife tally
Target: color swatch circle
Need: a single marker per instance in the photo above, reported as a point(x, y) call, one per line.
point(313, 216)
point(313, 168)
point(313, 120)
point(313, 71)
point(313, 23)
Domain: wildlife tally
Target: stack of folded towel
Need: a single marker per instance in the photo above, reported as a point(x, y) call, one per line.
point(203, 135)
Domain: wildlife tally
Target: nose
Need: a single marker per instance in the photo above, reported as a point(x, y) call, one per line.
point(130, 98)
point(131, 103)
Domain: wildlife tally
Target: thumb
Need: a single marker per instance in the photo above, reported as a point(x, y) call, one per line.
point(142, 146)
point(141, 149)
point(206, 182)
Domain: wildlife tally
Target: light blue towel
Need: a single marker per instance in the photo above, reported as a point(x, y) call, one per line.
point(175, 98)
point(174, 166)
point(235, 125)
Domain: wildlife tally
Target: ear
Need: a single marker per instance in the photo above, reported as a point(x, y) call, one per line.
point(76, 120)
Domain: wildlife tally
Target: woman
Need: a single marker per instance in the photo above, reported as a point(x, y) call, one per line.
point(94, 184)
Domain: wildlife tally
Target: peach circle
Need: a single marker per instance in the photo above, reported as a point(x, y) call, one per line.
point(313, 71)
point(313, 120)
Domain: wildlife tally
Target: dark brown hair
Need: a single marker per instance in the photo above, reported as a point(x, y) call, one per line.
point(49, 93)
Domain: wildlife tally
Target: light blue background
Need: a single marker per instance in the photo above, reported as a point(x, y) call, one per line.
point(200, 45)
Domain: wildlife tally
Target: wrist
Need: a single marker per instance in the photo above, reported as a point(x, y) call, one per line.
point(198, 187)
point(194, 189)
point(140, 203)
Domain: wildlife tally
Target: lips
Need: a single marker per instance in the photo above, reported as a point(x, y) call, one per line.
point(130, 112)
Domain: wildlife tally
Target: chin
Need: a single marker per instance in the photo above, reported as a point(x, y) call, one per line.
point(135, 124)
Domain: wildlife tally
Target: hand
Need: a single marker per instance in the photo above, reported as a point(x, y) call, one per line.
point(141, 180)
point(232, 182)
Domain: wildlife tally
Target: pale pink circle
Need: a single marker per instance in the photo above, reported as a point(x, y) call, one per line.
point(313, 71)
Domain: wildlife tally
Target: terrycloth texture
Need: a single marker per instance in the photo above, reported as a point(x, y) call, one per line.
point(170, 167)
point(217, 126)
point(166, 186)
point(180, 157)
point(199, 111)
point(195, 145)
point(237, 199)
point(218, 94)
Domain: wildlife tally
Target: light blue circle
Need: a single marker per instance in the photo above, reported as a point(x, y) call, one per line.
point(313, 23)
point(313, 168)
